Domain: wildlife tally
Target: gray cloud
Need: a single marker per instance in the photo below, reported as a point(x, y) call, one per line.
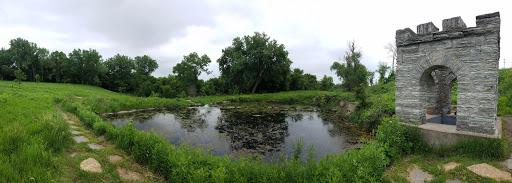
point(314, 33)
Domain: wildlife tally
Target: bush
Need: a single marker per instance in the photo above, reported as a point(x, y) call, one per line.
point(101, 128)
point(399, 139)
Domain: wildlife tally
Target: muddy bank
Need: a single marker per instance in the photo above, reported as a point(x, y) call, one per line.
point(128, 112)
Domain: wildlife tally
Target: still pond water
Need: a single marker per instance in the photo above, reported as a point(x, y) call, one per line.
point(261, 132)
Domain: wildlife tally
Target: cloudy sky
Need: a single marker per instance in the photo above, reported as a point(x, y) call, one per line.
point(314, 32)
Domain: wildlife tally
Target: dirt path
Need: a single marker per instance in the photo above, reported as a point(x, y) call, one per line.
point(508, 126)
point(93, 158)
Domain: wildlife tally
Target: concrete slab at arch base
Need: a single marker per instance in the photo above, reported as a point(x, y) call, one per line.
point(438, 135)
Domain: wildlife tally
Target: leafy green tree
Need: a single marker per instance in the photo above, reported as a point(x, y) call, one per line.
point(38, 78)
point(254, 63)
point(86, 66)
point(60, 65)
point(145, 65)
point(168, 87)
point(20, 76)
point(326, 84)
point(213, 86)
point(120, 72)
point(297, 80)
point(311, 81)
point(6, 65)
point(42, 63)
point(352, 73)
point(382, 70)
point(24, 55)
point(189, 70)
point(371, 75)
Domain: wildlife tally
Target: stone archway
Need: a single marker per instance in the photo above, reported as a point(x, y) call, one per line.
point(438, 81)
point(469, 55)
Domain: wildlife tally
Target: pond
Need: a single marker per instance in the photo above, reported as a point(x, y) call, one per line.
point(244, 132)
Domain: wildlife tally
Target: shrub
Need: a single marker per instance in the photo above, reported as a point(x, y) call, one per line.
point(398, 139)
point(101, 127)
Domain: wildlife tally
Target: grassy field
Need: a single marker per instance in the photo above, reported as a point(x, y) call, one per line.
point(36, 140)
point(34, 134)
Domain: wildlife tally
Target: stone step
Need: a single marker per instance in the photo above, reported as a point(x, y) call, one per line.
point(486, 170)
point(115, 158)
point(95, 146)
point(75, 132)
point(80, 139)
point(129, 175)
point(91, 165)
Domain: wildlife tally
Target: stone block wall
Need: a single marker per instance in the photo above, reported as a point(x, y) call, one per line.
point(429, 62)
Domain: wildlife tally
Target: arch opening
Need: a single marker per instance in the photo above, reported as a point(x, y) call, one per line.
point(439, 107)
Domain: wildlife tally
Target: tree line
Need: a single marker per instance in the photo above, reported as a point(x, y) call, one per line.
point(252, 64)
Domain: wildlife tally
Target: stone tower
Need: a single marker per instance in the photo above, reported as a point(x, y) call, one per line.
point(430, 61)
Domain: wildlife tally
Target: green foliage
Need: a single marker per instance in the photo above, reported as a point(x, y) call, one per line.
point(38, 78)
point(145, 65)
point(86, 66)
point(326, 84)
point(382, 70)
point(298, 147)
point(20, 76)
point(32, 131)
point(455, 87)
point(119, 72)
point(505, 92)
point(298, 80)
point(255, 63)
point(352, 73)
point(398, 139)
point(189, 70)
point(479, 148)
point(379, 102)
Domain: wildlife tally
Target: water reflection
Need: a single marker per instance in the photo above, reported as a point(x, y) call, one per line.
point(247, 132)
point(191, 119)
point(254, 132)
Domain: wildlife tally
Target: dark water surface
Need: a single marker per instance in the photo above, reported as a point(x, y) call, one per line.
point(237, 133)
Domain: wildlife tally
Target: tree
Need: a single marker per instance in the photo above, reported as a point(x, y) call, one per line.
point(86, 66)
point(297, 80)
point(382, 69)
point(145, 65)
point(352, 73)
point(24, 55)
point(6, 65)
point(59, 65)
point(255, 63)
point(312, 83)
point(392, 50)
point(20, 76)
point(326, 84)
point(42, 59)
point(119, 72)
point(189, 70)
point(371, 75)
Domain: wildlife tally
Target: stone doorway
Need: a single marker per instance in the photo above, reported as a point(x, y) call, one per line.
point(439, 81)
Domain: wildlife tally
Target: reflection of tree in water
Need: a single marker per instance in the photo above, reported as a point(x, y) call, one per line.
point(341, 127)
point(296, 116)
point(191, 119)
point(255, 131)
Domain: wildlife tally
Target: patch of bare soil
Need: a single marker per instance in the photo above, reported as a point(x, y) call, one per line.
point(508, 126)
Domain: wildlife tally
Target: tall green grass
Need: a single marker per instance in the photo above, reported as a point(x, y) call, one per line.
point(33, 133)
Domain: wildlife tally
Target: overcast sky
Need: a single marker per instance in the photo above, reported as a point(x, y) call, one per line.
point(315, 33)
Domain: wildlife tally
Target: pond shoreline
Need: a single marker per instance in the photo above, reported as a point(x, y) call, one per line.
point(130, 111)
